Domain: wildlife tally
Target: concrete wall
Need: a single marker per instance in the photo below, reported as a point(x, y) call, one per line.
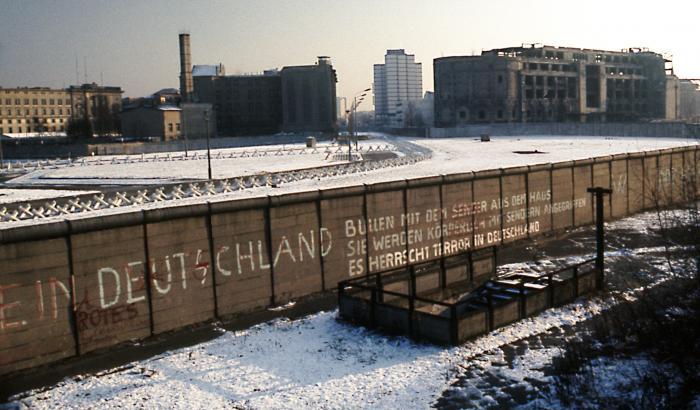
point(663, 130)
point(69, 288)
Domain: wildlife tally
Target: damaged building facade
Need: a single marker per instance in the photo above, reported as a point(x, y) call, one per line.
point(553, 84)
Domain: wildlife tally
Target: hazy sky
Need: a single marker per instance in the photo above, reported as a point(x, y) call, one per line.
point(134, 43)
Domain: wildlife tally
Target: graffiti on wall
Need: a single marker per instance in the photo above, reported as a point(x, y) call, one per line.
point(115, 296)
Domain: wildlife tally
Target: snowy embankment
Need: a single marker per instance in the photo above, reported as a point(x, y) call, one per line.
point(319, 362)
point(314, 362)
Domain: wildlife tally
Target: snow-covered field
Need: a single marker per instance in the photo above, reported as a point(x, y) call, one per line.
point(14, 195)
point(138, 169)
point(319, 362)
point(449, 155)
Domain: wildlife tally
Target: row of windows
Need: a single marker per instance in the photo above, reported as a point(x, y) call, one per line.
point(559, 93)
point(20, 129)
point(550, 67)
point(623, 71)
point(602, 57)
point(35, 101)
point(170, 126)
point(482, 115)
point(34, 120)
point(36, 111)
point(551, 81)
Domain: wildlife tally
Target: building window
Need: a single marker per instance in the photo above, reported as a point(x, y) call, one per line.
point(8, 101)
point(53, 112)
point(500, 114)
point(17, 102)
point(500, 79)
point(462, 114)
point(51, 101)
point(482, 115)
point(177, 126)
point(60, 111)
point(43, 111)
point(60, 102)
point(9, 130)
point(35, 101)
point(170, 127)
point(26, 101)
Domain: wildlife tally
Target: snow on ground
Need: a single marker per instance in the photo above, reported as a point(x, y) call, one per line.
point(14, 195)
point(452, 155)
point(319, 362)
point(314, 362)
point(163, 172)
point(449, 155)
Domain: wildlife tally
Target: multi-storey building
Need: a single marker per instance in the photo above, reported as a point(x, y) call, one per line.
point(309, 97)
point(244, 104)
point(545, 83)
point(97, 105)
point(158, 121)
point(41, 110)
point(397, 82)
point(689, 107)
point(295, 99)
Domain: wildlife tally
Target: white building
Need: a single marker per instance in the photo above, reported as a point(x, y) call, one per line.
point(396, 82)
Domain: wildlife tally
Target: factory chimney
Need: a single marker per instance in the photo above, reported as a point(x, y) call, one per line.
point(186, 87)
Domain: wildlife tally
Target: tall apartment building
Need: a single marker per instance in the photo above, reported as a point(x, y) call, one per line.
point(546, 84)
point(396, 83)
point(40, 110)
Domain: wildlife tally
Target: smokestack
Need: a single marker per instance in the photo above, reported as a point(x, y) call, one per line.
point(186, 86)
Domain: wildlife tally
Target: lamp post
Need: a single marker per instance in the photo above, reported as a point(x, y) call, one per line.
point(184, 126)
point(206, 122)
point(353, 110)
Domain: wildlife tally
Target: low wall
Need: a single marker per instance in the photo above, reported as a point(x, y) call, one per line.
point(55, 148)
point(661, 130)
point(76, 286)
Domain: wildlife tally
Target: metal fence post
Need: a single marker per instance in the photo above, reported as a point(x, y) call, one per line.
point(600, 233)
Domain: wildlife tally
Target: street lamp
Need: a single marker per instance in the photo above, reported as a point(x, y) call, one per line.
point(353, 109)
point(206, 121)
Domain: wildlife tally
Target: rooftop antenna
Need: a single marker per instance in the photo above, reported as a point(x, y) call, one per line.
point(77, 71)
point(85, 69)
point(102, 79)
